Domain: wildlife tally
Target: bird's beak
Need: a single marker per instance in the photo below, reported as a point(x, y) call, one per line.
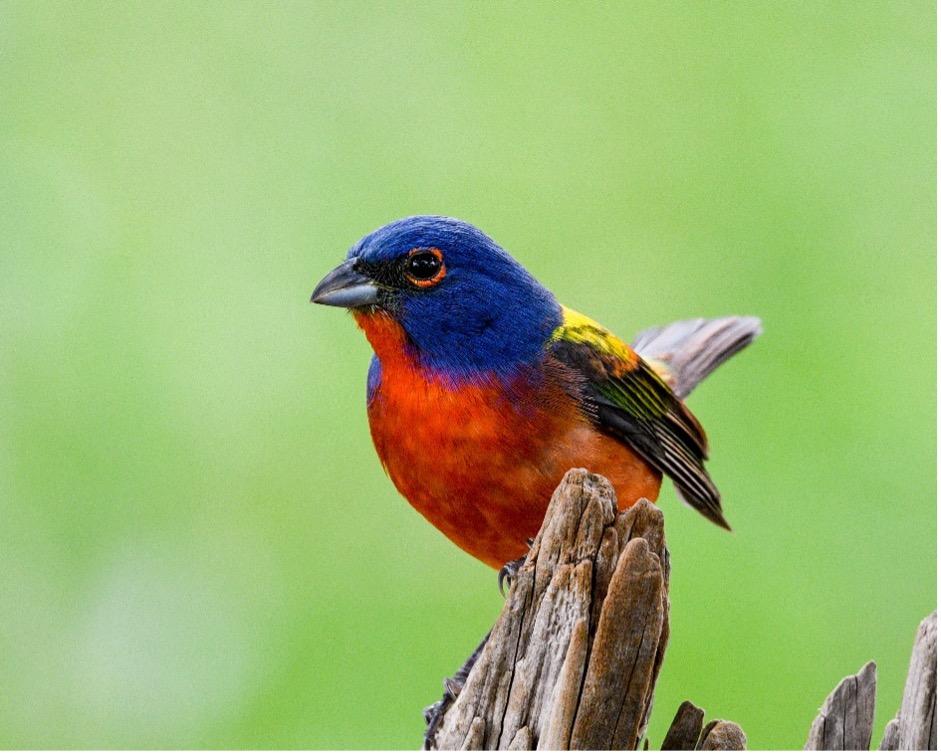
point(344, 286)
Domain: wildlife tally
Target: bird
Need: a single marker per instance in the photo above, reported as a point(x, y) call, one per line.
point(484, 390)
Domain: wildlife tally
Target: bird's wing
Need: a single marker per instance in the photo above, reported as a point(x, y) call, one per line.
point(624, 397)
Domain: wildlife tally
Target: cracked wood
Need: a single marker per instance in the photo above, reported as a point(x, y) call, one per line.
point(574, 657)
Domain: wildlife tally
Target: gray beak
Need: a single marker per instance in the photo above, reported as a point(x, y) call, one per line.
point(344, 286)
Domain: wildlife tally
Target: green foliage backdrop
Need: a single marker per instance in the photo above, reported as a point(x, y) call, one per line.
point(198, 547)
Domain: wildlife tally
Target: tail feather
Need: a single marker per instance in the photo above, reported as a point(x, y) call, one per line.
point(686, 352)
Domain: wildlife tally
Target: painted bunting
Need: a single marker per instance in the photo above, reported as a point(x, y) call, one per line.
point(484, 390)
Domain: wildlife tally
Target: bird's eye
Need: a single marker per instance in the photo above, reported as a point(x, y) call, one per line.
point(424, 267)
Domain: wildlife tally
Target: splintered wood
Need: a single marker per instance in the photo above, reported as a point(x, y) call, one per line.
point(845, 720)
point(916, 725)
point(687, 733)
point(573, 659)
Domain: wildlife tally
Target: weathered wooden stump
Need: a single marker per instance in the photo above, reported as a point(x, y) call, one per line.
point(573, 659)
point(845, 720)
point(915, 727)
point(687, 732)
point(846, 717)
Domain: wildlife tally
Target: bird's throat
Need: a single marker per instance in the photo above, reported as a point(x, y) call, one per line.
point(386, 337)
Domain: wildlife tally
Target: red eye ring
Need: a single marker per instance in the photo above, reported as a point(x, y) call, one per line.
point(425, 267)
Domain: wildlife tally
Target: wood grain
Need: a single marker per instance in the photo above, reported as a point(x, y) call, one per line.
point(574, 657)
point(915, 728)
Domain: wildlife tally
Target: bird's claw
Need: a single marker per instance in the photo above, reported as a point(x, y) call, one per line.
point(453, 686)
point(434, 713)
point(429, 712)
point(509, 571)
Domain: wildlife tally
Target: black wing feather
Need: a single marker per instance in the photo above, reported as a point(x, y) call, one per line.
point(628, 400)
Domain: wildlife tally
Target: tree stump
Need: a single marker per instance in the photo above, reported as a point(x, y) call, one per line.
point(915, 727)
point(573, 659)
point(687, 733)
point(845, 720)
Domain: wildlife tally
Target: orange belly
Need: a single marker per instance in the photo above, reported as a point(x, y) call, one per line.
point(482, 460)
point(482, 470)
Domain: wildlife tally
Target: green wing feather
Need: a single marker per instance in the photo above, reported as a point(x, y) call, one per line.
point(623, 396)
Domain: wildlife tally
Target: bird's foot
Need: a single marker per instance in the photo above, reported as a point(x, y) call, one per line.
point(509, 571)
point(434, 713)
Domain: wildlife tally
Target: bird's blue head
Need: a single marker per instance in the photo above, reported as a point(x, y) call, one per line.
point(466, 306)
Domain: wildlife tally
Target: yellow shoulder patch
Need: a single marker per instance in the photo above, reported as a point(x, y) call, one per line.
point(577, 328)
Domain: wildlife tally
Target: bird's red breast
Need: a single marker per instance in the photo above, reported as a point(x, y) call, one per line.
point(480, 459)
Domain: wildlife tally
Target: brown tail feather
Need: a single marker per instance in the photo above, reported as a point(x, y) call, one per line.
point(686, 352)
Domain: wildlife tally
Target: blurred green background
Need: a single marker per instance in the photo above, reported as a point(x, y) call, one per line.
point(198, 546)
